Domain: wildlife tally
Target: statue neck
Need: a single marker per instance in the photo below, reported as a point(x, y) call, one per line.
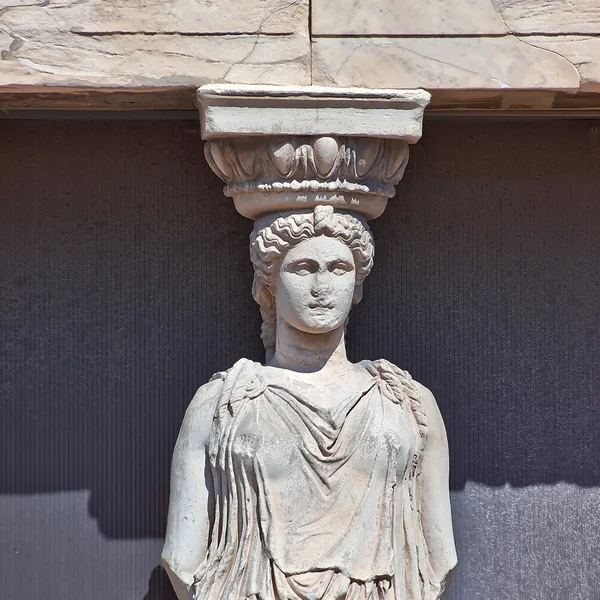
point(303, 352)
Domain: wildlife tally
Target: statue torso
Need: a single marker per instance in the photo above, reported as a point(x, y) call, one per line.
point(312, 473)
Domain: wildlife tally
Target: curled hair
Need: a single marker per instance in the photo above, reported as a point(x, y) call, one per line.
point(274, 235)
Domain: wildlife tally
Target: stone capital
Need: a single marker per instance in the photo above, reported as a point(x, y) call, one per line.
point(283, 148)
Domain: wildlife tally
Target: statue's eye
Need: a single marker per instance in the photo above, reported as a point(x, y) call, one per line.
point(304, 267)
point(340, 268)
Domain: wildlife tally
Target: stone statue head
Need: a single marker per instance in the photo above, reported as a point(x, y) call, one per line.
point(309, 268)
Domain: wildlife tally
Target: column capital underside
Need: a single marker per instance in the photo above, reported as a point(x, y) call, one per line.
point(284, 148)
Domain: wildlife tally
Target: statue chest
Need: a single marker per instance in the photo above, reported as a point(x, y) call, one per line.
point(323, 484)
point(366, 437)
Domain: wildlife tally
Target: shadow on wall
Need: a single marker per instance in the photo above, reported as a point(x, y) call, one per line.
point(159, 586)
point(118, 302)
point(486, 286)
point(127, 284)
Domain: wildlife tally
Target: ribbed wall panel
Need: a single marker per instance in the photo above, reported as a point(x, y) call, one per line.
point(125, 283)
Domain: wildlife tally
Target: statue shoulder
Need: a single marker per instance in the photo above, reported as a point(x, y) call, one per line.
point(207, 395)
point(427, 397)
point(436, 430)
point(197, 422)
point(201, 410)
point(422, 400)
point(398, 379)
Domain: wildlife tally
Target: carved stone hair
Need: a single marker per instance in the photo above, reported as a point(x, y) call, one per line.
point(274, 235)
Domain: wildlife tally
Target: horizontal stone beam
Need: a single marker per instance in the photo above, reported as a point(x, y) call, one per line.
point(471, 55)
point(24, 101)
point(435, 18)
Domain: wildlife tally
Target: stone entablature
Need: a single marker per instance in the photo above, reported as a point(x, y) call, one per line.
point(496, 55)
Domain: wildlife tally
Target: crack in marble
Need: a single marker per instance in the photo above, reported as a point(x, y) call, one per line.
point(500, 6)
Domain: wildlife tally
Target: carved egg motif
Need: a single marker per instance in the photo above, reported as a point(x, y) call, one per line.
point(283, 156)
point(325, 153)
point(216, 158)
point(398, 157)
point(366, 154)
point(246, 158)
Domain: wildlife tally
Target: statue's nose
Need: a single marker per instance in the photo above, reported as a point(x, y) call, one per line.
point(320, 284)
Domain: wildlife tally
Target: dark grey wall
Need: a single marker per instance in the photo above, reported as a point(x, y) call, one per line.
point(125, 284)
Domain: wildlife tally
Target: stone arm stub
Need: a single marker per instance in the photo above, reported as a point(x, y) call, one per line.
point(189, 519)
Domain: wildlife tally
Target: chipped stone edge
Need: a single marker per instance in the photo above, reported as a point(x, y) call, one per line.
point(218, 90)
point(254, 110)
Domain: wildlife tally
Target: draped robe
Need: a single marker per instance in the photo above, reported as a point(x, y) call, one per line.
point(316, 503)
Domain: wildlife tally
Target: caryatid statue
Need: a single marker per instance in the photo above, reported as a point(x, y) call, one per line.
point(309, 477)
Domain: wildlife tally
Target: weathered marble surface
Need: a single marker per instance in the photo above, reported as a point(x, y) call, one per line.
point(405, 17)
point(471, 44)
point(454, 17)
point(126, 44)
point(310, 476)
point(466, 45)
point(541, 16)
point(156, 61)
point(581, 50)
point(286, 148)
point(473, 62)
point(259, 110)
point(180, 17)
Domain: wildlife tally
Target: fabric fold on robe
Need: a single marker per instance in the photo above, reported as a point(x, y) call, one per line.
point(314, 503)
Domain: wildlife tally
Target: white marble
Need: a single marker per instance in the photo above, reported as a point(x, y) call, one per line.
point(309, 473)
point(268, 174)
point(543, 17)
point(581, 50)
point(281, 148)
point(442, 63)
point(435, 18)
point(259, 110)
point(154, 45)
point(309, 476)
point(133, 45)
point(406, 17)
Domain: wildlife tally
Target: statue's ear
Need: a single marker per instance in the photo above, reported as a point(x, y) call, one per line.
point(358, 293)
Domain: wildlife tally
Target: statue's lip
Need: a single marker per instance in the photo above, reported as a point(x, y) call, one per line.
point(319, 305)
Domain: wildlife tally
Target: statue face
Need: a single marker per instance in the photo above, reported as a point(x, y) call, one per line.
point(315, 285)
